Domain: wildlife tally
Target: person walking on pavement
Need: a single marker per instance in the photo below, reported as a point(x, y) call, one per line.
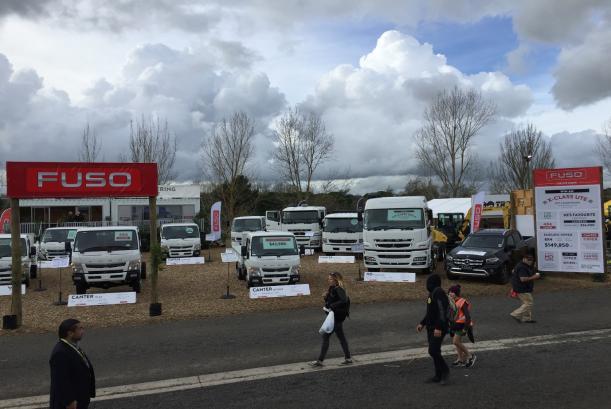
point(336, 300)
point(461, 324)
point(522, 282)
point(72, 376)
point(436, 323)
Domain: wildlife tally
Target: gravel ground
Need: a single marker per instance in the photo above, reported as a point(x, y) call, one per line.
point(194, 292)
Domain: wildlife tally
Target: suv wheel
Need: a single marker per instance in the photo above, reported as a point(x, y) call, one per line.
point(503, 276)
point(81, 288)
point(143, 270)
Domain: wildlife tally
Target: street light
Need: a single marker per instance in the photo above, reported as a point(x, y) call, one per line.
point(528, 158)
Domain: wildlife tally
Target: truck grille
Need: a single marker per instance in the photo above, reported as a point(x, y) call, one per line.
point(342, 241)
point(109, 265)
point(276, 275)
point(468, 262)
point(393, 244)
point(273, 270)
point(393, 256)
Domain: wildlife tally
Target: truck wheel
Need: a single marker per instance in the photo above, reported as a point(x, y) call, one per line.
point(503, 276)
point(143, 270)
point(136, 286)
point(33, 271)
point(248, 283)
point(81, 288)
point(242, 273)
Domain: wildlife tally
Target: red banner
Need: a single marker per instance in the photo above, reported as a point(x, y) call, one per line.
point(5, 221)
point(568, 176)
point(27, 180)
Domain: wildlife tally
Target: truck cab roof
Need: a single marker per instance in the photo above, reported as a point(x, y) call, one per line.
point(134, 228)
point(398, 202)
point(269, 234)
point(341, 216)
point(303, 208)
point(179, 224)
point(249, 218)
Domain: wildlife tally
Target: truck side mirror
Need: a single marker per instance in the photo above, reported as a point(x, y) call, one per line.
point(302, 250)
point(244, 251)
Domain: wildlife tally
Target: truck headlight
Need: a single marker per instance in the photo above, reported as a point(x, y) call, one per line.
point(492, 260)
point(295, 269)
point(198, 246)
point(78, 268)
point(422, 245)
point(134, 265)
point(255, 271)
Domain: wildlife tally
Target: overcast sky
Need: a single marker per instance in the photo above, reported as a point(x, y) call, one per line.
point(369, 67)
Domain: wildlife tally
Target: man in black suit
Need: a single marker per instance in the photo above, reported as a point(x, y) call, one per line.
point(72, 377)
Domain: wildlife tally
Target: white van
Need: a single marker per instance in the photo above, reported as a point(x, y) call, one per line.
point(105, 257)
point(244, 224)
point(340, 232)
point(28, 259)
point(180, 240)
point(53, 242)
point(269, 258)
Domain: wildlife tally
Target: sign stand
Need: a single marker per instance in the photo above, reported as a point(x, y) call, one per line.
point(39, 271)
point(228, 258)
point(59, 299)
point(227, 296)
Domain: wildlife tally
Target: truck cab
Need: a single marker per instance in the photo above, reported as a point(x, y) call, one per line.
point(106, 257)
point(397, 234)
point(242, 225)
point(28, 259)
point(53, 242)
point(340, 232)
point(180, 240)
point(305, 222)
point(269, 258)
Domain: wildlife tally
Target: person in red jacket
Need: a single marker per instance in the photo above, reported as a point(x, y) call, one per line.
point(462, 322)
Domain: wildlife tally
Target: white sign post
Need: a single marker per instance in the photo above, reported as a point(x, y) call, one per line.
point(335, 259)
point(229, 256)
point(280, 291)
point(8, 290)
point(389, 277)
point(181, 261)
point(87, 300)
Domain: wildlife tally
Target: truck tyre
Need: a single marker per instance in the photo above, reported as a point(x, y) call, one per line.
point(241, 273)
point(143, 270)
point(81, 288)
point(503, 276)
point(248, 283)
point(136, 286)
point(33, 271)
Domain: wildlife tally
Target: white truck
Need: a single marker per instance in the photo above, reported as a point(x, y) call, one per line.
point(241, 225)
point(53, 242)
point(269, 258)
point(341, 232)
point(28, 259)
point(180, 240)
point(106, 257)
point(305, 222)
point(397, 234)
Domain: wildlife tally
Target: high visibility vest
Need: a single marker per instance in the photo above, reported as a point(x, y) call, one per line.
point(460, 315)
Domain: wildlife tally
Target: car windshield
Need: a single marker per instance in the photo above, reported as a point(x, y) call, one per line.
point(274, 246)
point(487, 241)
point(59, 235)
point(347, 225)
point(388, 219)
point(300, 216)
point(106, 240)
point(246, 225)
point(179, 232)
point(5, 247)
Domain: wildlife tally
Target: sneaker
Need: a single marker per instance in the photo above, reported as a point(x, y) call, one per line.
point(471, 361)
point(315, 364)
point(458, 363)
point(346, 362)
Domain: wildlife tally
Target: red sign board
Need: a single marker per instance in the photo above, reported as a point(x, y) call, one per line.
point(568, 176)
point(27, 180)
point(477, 216)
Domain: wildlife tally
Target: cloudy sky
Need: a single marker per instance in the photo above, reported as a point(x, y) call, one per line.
point(369, 67)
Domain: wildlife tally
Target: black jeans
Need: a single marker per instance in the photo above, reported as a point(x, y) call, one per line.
point(339, 331)
point(441, 368)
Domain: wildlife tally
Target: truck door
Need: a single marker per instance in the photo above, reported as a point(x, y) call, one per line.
point(272, 220)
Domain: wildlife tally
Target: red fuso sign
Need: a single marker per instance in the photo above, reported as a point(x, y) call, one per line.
point(568, 176)
point(59, 179)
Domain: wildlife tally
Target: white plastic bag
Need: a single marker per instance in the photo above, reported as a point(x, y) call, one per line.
point(328, 324)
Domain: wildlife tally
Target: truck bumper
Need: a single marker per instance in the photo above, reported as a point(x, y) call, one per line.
point(412, 260)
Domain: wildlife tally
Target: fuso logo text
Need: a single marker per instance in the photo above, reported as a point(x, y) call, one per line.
point(577, 174)
point(84, 179)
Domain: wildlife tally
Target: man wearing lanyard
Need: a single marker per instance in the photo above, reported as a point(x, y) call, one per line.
point(72, 376)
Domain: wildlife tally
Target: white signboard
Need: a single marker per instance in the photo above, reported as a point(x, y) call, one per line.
point(280, 291)
point(229, 257)
point(87, 300)
point(335, 259)
point(309, 234)
point(308, 252)
point(526, 225)
point(390, 277)
point(569, 220)
point(8, 289)
point(179, 261)
point(357, 248)
point(60, 262)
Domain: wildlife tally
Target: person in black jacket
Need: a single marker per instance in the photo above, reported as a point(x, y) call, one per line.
point(72, 376)
point(522, 282)
point(436, 323)
point(337, 301)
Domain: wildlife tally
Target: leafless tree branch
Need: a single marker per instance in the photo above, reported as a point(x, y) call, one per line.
point(91, 146)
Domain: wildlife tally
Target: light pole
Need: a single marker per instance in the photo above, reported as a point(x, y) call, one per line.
point(528, 159)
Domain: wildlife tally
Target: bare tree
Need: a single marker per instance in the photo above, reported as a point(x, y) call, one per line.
point(522, 151)
point(150, 142)
point(226, 153)
point(603, 146)
point(444, 142)
point(302, 145)
point(91, 146)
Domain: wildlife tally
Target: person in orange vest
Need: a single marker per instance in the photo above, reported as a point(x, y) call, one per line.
point(462, 322)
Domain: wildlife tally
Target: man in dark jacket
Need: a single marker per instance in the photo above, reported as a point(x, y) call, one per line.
point(522, 281)
point(72, 376)
point(436, 323)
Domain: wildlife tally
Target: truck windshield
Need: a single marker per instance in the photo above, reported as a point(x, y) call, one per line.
point(246, 225)
point(274, 246)
point(59, 235)
point(337, 225)
point(5, 247)
point(106, 240)
point(388, 219)
point(300, 216)
point(179, 232)
point(487, 241)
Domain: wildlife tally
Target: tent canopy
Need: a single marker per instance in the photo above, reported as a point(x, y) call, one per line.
point(453, 205)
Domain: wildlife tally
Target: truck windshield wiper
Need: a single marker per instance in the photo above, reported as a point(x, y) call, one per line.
point(382, 228)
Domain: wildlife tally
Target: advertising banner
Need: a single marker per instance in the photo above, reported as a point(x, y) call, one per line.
point(569, 220)
point(280, 291)
point(335, 259)
point(59, 262)
point(76, 179)
point(88, 300)
point(8, 290)
point(390, 277)
point(215, 222)
point(477, 207)
point(181, 261)
point(5, 221)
